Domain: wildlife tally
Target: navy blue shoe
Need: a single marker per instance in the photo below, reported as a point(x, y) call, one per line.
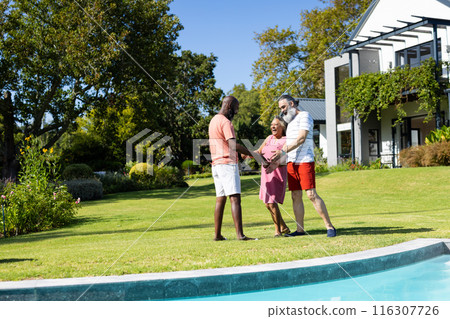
point(296, 233)
point(331, 232)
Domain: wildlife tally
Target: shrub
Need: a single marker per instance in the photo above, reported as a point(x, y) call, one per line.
point(35, 203)
point(347, 165)
point(253, 164)
point(436, 154)
point(142, 173)
point(30, 209)
point(321, 168)
point(148, 177)
point(102, 165)
point(85, 189)
point(321, 165)
point(188, 167)
point(198, 175)
point(436, 136)
point(168, 176)
point(377, 164)
point(117, 182)
point(412, 156)
point(206, 168)
point(75, 171)
point(3, 183)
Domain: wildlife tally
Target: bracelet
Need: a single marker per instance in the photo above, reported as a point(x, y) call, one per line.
point(283, 152)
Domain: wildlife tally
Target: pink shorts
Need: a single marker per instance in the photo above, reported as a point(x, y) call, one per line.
point(301, 176)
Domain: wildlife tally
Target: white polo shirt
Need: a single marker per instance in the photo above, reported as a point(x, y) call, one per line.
point(305, 152)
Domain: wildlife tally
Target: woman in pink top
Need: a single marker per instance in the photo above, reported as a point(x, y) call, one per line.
point(273, 178)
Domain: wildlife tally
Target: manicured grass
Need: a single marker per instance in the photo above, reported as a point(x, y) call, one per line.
point(369, 208)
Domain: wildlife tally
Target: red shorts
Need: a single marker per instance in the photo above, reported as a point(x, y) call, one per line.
point(301, 176)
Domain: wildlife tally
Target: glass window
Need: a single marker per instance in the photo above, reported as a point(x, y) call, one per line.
point(413, 56)
point(344, 144)
point(373, 143)
point(425, 51)
point(316, 135)
point(341, 73)
point(401, 58)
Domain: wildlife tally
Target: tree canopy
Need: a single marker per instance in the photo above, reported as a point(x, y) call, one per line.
point(246, 122)
point(292, 61)
point(116, 62)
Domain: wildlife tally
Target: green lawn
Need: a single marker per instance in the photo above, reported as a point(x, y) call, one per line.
point(370, 209)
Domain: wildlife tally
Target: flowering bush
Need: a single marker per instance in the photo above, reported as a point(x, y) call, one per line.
point(36, 202)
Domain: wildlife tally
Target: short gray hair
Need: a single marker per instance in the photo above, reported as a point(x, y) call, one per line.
point(288, 98)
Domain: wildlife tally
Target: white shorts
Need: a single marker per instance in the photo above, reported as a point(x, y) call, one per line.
point(226, 179)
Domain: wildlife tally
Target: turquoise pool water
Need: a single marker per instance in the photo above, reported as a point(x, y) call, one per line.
point(426, 280)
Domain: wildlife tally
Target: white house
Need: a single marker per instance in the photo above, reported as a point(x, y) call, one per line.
point(391, 33)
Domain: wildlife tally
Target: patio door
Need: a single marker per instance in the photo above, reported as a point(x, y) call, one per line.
point(405, 133)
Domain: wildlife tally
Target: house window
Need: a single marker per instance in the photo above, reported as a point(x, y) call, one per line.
point(373, 143)
point(415, 137)
point(344, 145)
point(316, 135)
point(413, 130)
point(413, 56)
point(340, 74)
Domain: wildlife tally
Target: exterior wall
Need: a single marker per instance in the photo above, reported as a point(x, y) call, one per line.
point(330, 103)
point(372, 123)
point(323, 139)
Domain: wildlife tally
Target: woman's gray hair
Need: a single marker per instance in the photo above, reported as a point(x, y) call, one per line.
point(282, 123)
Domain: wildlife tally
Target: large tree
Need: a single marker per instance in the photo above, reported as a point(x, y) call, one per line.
point(62, 59)
point(182, 114)
point(246, 122)
point(293, 61)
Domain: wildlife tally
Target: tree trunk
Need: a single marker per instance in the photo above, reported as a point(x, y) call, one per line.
point(10, 163)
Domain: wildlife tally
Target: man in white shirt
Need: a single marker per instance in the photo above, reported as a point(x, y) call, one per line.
point(299, 148)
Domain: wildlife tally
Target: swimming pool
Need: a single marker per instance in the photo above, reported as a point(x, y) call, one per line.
point(426, 281)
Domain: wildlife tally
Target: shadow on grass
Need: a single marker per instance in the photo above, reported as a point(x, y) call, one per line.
point(249, 187)
point(65, 234)
point(351, 231)
point(14, 260)
point(444, 209)
point(412, 212)
point(58, 233)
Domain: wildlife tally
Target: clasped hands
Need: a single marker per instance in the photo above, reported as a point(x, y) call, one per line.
point(269, 165)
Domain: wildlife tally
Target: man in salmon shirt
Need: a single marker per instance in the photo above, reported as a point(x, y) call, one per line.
point(225, 169)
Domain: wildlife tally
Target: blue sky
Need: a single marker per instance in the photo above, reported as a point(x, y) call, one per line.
point(227, 29)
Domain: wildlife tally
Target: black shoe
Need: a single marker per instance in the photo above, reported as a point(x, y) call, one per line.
point(220, 238)
point(247, 238)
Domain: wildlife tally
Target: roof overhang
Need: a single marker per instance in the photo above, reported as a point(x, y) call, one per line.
point(422, 26)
